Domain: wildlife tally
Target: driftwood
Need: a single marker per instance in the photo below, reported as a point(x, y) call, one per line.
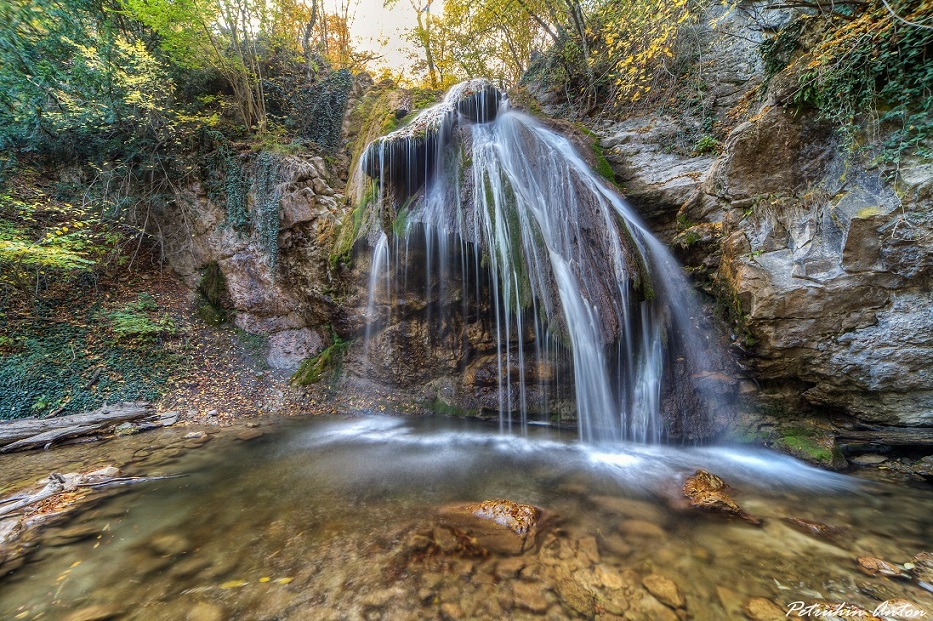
point(49, 437)
point(59, 483)
point(29, 432)
point(53, 487)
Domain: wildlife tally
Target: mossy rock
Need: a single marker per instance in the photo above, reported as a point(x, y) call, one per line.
point(813, 447)
point(327, 363)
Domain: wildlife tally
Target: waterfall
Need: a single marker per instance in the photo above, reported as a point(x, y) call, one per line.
point(507, 206)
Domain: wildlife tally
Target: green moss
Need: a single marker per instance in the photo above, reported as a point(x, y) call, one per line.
point(342, 253)
point(603, 167)
point(328, 362)
point(140, 320)
point(807, 448)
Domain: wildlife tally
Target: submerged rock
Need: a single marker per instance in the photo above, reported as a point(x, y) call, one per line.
point(499, 526)
point(665, 590)
point(707, 491)
point(874, 566)
point(921, 568)
point(95, 613)
point(815, 529)
point(763, 609)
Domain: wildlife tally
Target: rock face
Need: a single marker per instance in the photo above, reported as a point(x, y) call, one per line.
point(823, 262)
point(280, 291)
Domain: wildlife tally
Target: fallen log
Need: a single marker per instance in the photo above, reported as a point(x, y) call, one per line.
point(20, 429)
point(49, 437)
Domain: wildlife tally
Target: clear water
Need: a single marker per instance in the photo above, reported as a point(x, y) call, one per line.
point(314, 522)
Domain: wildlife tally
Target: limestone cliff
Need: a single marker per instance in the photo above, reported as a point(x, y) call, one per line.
point(821, 259)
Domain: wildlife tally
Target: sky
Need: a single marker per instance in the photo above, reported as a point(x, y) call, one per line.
point(374, 21)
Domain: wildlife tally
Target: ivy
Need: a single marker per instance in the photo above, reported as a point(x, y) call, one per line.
point(225, 181)
point(878, 69)
point(267, 178)
point(321, 109)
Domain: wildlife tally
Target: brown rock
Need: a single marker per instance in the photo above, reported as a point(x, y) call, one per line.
point(922, 569)
point(169, 544)
point(575, 596)
point(207, 611)
point(814, 529)
point(730, 601)
point(249, 434)
point(648, 607)
point(609, 578)
point(590, 549)
point(509, 567)
point(451, 611)
point(874, 566)
point(665, 590)
point(763, 609)
point(708, 492)
point(491, 526)
point(529, 596)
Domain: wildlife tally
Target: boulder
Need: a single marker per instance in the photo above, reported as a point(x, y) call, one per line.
point(492, 526)
point(708, 492)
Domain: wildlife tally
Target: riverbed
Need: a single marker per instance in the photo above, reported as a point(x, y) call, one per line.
point(328, 519)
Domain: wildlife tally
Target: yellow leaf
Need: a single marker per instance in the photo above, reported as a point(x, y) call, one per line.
point(284, 580)
point(233, 584)
point(265, 579)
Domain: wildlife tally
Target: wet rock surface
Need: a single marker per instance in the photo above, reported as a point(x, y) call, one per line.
point(491, 526)
point(822, 258)
point(710, 493)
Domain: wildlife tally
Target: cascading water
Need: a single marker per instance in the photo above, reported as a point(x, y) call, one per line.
point(510, 207)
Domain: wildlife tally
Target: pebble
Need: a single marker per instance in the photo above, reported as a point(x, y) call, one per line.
point(763, 609)
point(195, 435)
point(665, 590)
point(609, 578)
point(614, 602)
point(451, 611)
point(189, 567)
point(212, 413)
point(730, 600)
point(575, 596)
point(249, 434)
point(207, 611)
point(169, 544)
point(528, 596)
point(590, 549)
point(509, 568)
point(94, 613)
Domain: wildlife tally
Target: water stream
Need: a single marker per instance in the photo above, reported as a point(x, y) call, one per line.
point(569, 267)
point(320, 520)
